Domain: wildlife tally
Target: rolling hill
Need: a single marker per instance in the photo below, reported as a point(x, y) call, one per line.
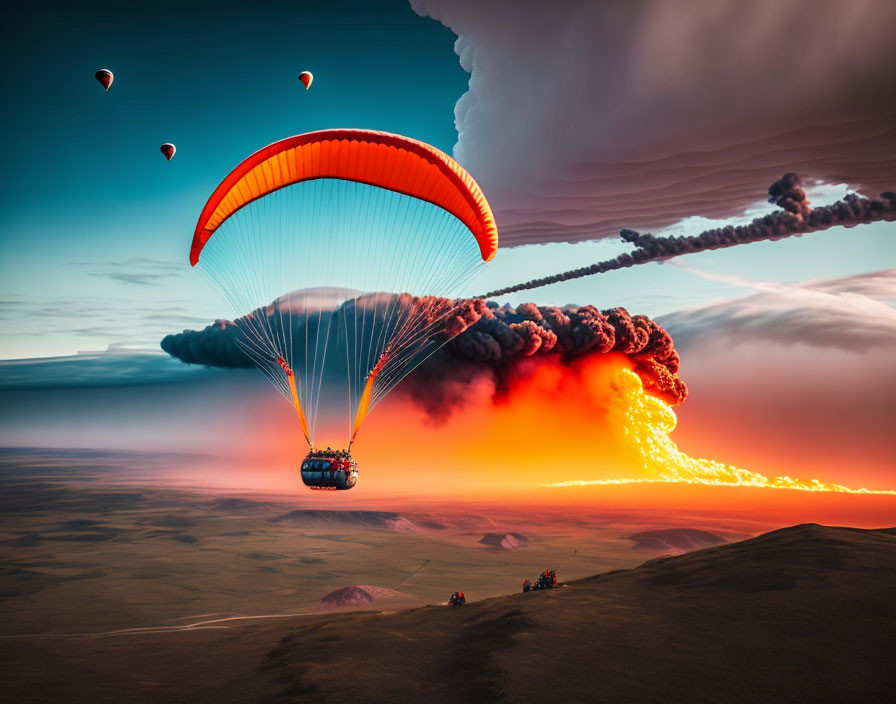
point(799, 614)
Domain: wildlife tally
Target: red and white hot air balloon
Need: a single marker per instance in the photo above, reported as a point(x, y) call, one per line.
point(105, 77)
point(168, 149)
point(306, 78)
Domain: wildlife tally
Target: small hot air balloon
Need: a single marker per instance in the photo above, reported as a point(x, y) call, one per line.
point(306, 78)
point(168, 150)
point(105, 77)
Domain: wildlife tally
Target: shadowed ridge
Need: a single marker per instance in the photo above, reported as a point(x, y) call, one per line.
point(371, 519)
point(234, 504)
point(780, 559)
point(802, 614)
point(676, 539)
point(799, 614)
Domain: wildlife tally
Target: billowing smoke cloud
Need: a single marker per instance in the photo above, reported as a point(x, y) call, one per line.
point(586, 117)
point(507, 340)
point(494, 342)
point(796, 218)
point(308, 317)
point(216, 345)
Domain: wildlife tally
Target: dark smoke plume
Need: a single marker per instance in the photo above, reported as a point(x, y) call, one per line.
point(797, 218)
point(213, 346)
point(224, 343)
point(505, 339)
point(497, 341)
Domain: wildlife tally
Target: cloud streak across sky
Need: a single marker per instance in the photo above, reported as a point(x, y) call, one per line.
point(583, 118)
point(848, 313)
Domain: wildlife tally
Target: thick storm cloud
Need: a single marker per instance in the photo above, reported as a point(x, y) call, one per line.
point(797, 217)
point(582, 117)
point(495, 341)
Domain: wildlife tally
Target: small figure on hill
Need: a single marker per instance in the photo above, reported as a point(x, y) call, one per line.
point(546, 580)
point(457, 599)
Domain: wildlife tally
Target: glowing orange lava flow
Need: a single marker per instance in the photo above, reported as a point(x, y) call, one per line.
point(646, 422)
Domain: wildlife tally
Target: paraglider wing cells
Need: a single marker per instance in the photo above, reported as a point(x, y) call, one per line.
point(380, 159)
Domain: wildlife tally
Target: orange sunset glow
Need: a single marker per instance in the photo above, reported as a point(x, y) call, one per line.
point(561, 433)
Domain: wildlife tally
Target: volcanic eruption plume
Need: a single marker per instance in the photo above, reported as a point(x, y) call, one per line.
point(796, 218)
point(566, 396)
point(605, 378)
point(647, 422)
point(506, 341)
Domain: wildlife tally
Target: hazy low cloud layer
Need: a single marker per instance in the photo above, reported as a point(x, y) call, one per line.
point(848, 313)
point(116, 367)
point(586, 117)
point(879, 285)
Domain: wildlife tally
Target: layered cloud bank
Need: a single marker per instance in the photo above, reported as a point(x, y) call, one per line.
point(854, 314)
point(583, 118)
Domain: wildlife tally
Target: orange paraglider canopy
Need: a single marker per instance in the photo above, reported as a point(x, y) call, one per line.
point(379, 159)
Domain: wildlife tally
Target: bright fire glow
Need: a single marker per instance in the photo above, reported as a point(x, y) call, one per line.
point(646, 422)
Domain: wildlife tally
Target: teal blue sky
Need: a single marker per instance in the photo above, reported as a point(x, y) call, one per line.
point(91, 198)
point(95, 224)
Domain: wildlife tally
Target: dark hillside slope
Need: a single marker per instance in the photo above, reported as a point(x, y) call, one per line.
point(802, 614)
